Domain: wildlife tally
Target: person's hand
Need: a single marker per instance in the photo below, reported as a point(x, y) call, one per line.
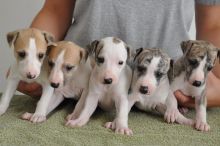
point(31, 89)
point(183, 100)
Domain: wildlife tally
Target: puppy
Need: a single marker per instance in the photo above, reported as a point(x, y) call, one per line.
point(30, 48)
point(189, 75)
point(69, 72)
point(108, 85)
point(150, 83)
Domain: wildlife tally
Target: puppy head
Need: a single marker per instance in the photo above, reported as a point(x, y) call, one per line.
point(199, 58)
point(64, 58)
point(109, 56)
point(30, 46)
point(150, 69)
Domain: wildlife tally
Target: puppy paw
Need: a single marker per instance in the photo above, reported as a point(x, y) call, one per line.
point(124, 131)
point(171, 115)
point(110, 125)
point(70, 117)
point(26, 116)
point(183, 110)
point(76, 123)
point(202, 126)
point(37, 118)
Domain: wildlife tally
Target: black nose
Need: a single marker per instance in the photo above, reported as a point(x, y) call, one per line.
point(55, 85)
point(30, 76)
point(108, 81)
point(197, 83)
point(143, 89)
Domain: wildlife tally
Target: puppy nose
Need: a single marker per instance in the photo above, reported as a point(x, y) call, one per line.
point(30, 76)
point(108, 81)
point(143, 89)
point(55, 85)
point(197, 83)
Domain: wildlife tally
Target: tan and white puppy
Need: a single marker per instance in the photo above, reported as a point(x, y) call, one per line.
point(189, 75)
point(69, 72)
point(108, 85)
point(150, 83)
point(30, 47)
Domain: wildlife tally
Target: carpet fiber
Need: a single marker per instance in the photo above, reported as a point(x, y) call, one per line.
point(149, 129)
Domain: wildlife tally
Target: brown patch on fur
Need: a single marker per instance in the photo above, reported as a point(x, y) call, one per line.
point(73, 53)
point(116, 40)
point(21, 39)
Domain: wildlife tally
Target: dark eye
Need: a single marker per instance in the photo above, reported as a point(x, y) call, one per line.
point(193, 62)
point(120, 62)
point(141, 69)
point(21, 54)
point(158, 74)
point(40, 56)
point(51, 64)
point(100, 59)
point(209, 67)
point(68, 67)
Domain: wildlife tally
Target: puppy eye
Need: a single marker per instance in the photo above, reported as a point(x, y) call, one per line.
point(141, 69)
point(158, 74)
point(51, 64)
point(69, 68)
point(40, 56)
point(100, 59)
point(21, 54)
point(120, 62)
point(209, 67)
point(193, 62)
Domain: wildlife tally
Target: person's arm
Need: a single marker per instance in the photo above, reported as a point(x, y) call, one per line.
point(207, 28)
point(55, 17)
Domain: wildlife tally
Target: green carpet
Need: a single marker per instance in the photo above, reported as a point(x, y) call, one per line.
point(149, 129)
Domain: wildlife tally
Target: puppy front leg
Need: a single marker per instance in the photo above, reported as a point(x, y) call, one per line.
point(42, 105)
point(201, 123)
point(56, 99)
point(79, 106)
point(132, 99)
point(120, 123)
point(90, 104)
point(172, 111)
point(8, 94)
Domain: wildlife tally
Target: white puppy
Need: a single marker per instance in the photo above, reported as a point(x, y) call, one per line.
point(68, 73)
point(189, 76)
point(150, 84)
point(30, 46)
point(108, 85)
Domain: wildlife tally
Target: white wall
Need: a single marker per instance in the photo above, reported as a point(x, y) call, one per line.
point(15, 14)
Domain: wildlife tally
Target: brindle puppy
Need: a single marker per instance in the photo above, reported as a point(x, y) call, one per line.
point(189, 75)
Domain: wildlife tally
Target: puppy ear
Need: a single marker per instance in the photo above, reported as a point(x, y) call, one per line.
point(50, 46)
point(128, 48)
point(48, 37)
point(138, 52)
point(12, 37)
point(91, 48)
point(83, 55)
point(186, 46)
